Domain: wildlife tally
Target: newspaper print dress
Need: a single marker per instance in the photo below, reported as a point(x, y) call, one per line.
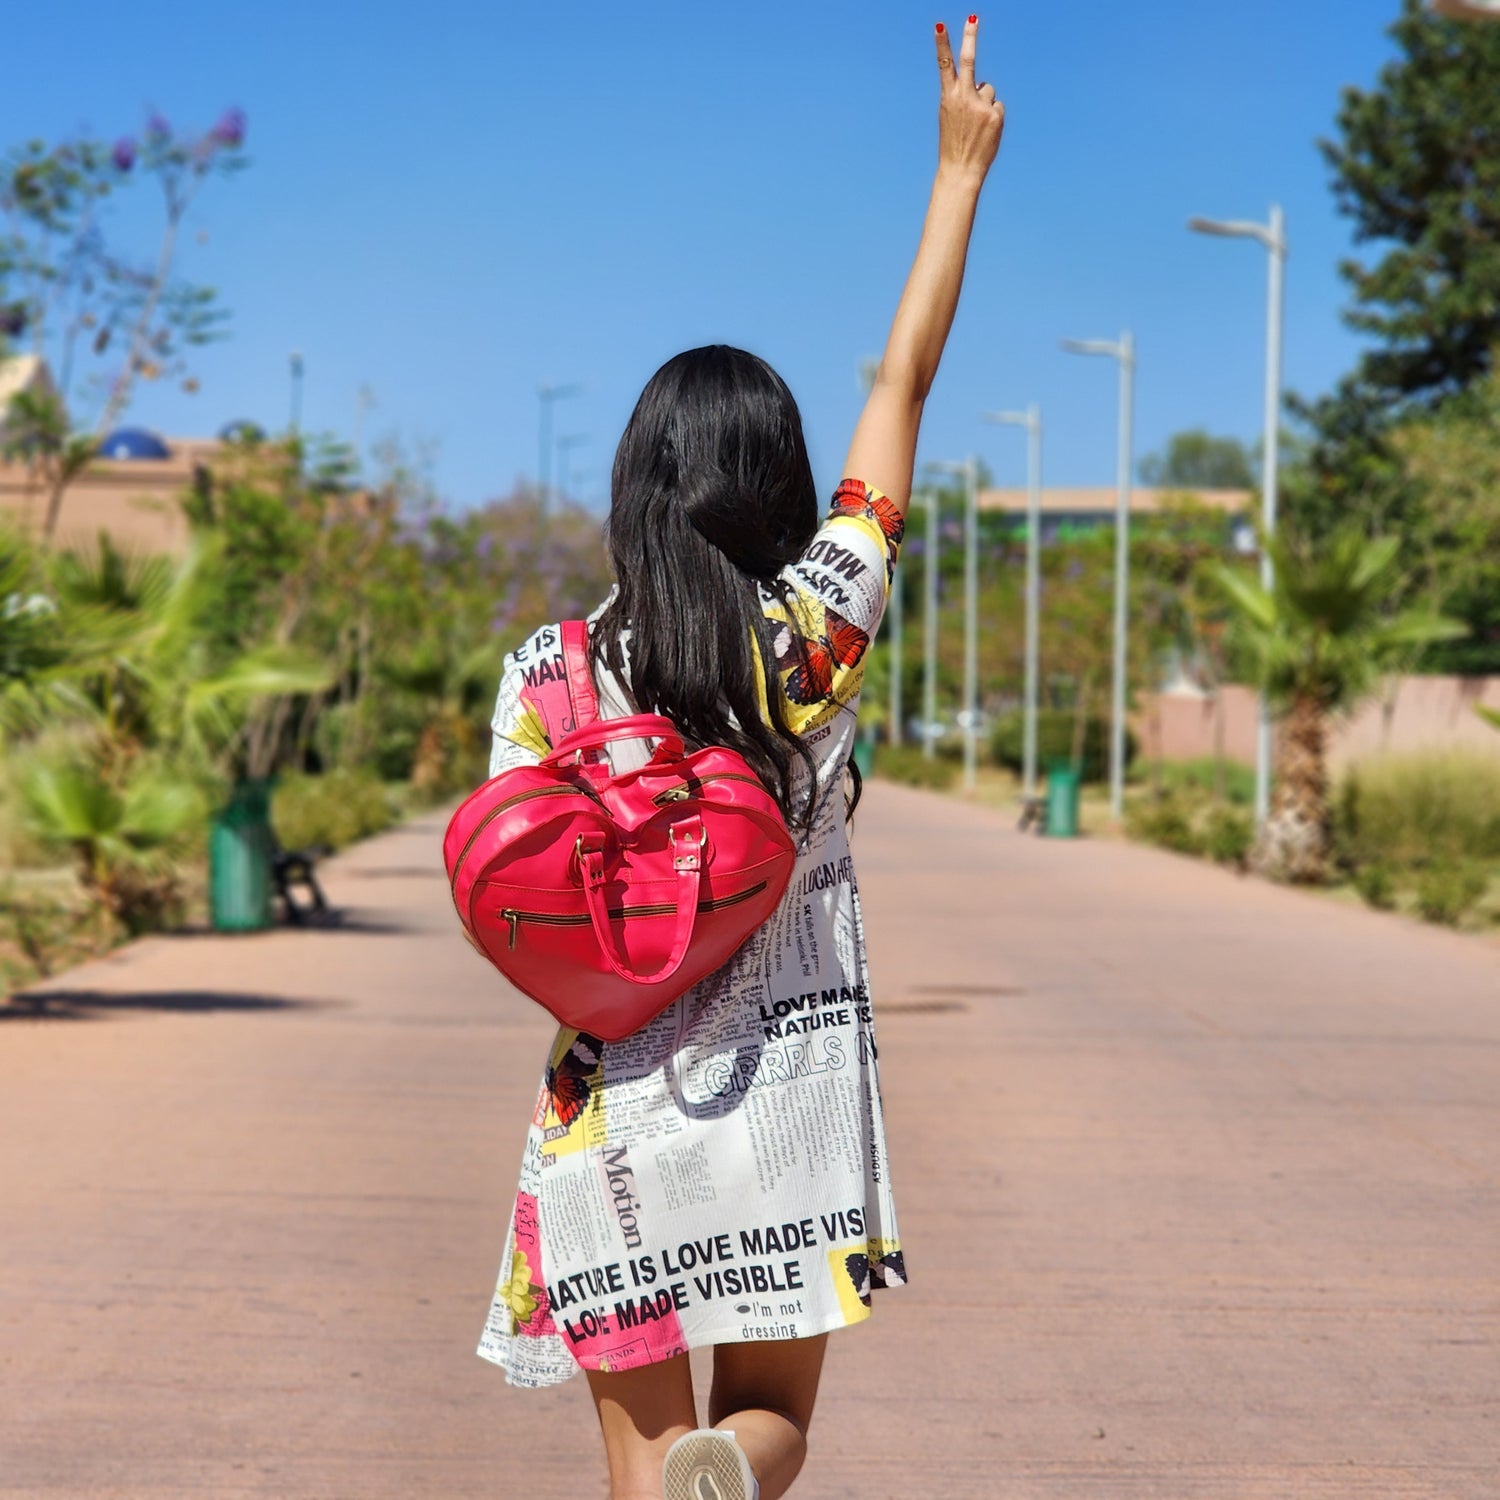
point(720, 1176)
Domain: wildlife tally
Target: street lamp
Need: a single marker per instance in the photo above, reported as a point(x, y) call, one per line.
point(1124, 352)
point(929, 625)
point(547, 394)
point(1273, 237)
point(565, 445)
point(296, 391)
point(968, 471)
point(1031, 420)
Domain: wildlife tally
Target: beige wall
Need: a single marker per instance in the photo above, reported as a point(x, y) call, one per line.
point(137, 503)
point(1416, 713)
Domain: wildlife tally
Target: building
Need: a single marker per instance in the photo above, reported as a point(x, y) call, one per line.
point(133, 491)
point(1075, 512)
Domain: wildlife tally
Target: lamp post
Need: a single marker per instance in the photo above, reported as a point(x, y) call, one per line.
point(968, 471)
point(1272, 236)
point(547, 394)
point(1124, 352)
point(1031, 420)
point(929, 626)
point(565, 445)
point(296, 391)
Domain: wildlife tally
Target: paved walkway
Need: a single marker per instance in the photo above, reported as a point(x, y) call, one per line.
point(1197, 1177)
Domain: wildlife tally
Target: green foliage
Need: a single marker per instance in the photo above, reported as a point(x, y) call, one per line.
point(1324, 633)
point(1228, 836)
point(40, 928)
point(1410, 811)
point(1206, 776)
point(1056, 738)
point(1376, 885)
point(1165, 820)
point(907, 764)
point(124, 838)
point(1448, 892)
point(332, 810)
point(1196, 460)
point(1416, 166)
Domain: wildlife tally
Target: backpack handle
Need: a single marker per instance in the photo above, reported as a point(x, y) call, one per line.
point(604, 731)
point(688, 843)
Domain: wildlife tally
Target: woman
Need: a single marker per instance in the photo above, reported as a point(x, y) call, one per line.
point(720, 1176)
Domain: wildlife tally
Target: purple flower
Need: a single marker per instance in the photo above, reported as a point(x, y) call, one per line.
point(123, 156)
point(230, 130)
point(158, 128)
point(484, 546)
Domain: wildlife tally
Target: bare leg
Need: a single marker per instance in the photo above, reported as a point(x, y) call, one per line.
point(642, 1413)
point(764, 1394)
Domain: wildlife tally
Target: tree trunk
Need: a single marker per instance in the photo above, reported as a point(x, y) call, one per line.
point(1294, 846)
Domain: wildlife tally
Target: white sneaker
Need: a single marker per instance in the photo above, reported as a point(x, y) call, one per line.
point(708, 1465)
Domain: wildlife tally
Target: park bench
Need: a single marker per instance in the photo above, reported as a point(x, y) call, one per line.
point(298, 867)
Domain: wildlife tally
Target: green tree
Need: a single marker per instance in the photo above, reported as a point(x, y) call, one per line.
point(1196, 460)
point(1319, 642)
point(1451, 463)
point(1416, 166)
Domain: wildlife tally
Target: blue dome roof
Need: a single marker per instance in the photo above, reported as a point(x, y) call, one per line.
point(242, 431)
point(133, 443)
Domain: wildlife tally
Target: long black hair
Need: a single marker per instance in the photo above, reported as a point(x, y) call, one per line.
point(712, 495)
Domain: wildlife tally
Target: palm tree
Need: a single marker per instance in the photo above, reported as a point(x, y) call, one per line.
point(163, 684)
point(1320, 640)
point(124, 840)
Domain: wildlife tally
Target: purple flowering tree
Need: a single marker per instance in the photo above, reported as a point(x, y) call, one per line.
point(70, 293)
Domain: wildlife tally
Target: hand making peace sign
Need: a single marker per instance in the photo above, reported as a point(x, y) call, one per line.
point(970, 117)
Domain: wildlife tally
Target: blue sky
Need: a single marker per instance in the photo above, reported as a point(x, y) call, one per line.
point(451, 202)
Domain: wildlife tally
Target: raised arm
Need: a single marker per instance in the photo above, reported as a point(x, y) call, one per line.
point(970, 121)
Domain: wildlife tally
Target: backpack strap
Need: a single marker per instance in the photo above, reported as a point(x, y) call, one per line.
point(575, 644)
point(568, 702)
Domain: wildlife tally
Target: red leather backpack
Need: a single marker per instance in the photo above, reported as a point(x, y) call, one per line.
point(604, 897)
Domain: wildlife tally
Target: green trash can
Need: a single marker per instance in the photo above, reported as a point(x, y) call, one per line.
point(1062, 800)
point(239, 860)
point(864, 755)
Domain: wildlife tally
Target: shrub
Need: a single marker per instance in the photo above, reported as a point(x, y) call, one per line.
point(334, 809)
point(1203, 775)
point(1414, 810)
point(1054, 741)
point(1376, 884)
point(1447, 891)
point(1165, 821)
point(907, 764)
point(1228, 836)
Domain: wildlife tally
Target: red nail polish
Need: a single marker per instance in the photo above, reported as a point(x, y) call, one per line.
point(941, 28)
point(973, 20)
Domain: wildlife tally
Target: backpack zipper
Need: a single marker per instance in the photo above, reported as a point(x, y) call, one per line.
point(684, 789)
point(538, 791)
point(513, 916)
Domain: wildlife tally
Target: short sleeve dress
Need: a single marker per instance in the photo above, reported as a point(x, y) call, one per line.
point(720, 1176)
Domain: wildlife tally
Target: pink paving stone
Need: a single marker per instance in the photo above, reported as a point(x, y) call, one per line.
point(1197, 1177)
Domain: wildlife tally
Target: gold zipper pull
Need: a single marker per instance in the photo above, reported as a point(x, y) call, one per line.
point(513, 919)
point(679, 793)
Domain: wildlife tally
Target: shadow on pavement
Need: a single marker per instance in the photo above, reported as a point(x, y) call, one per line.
point(88, 1005)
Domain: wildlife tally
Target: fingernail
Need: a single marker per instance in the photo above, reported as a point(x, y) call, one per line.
point(941, 28)
point(973, 20)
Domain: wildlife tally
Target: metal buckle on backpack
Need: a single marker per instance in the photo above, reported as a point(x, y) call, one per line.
point(692, 858)
point(594, 873)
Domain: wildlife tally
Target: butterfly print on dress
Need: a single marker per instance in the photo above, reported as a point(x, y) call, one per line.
point(568, 1086)
point(811, 679)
